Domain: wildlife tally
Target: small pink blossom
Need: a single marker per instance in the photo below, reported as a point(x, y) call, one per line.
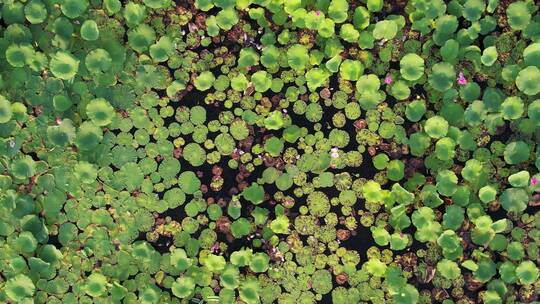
point(334, 152)
point(318, 13)
point(388, 79)
point(534, 181)
point(58, 120)
point(461, 80)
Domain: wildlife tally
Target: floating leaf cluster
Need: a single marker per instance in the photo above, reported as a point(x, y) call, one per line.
point(269, 151)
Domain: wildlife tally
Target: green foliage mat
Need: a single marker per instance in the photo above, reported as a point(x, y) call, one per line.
point(269, 151)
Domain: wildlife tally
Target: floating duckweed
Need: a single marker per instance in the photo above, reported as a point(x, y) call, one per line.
point(229, 151)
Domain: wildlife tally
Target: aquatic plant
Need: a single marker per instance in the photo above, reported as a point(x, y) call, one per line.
point(162, 151)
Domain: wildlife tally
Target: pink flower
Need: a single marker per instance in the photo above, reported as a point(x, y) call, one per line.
point(334, 152)
point(318, 13)
point(461, 80)
point(58, 120)
point(388, 79)
point(534, 181)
